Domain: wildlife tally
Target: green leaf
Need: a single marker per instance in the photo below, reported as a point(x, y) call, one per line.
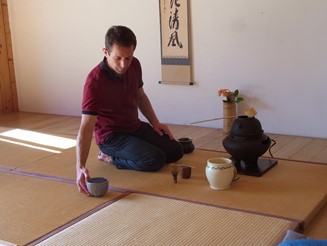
point(239, 99)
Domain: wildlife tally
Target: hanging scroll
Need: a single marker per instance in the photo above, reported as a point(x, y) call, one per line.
point(175, 49)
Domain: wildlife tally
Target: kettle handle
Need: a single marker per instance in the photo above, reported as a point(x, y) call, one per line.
point(267, 140)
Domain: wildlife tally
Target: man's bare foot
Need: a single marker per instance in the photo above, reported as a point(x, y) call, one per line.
point(104, 157)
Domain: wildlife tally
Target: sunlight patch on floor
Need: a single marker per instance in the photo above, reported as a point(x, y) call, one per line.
point(30, 146)
point(39, 138)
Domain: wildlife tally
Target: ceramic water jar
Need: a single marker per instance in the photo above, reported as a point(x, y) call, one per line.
point(219, 173)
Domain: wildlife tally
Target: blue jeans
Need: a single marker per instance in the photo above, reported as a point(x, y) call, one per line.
point(143, 150)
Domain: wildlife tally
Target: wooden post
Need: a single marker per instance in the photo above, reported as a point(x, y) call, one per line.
point(8, 92)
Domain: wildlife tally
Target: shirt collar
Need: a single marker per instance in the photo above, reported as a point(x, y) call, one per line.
point(108, 70)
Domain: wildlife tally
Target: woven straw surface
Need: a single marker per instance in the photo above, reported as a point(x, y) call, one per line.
point(31, 207)
point(16, 152)
point(148, 220)
point(291, 189)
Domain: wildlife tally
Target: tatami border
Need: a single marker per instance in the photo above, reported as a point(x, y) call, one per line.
point(297, 224)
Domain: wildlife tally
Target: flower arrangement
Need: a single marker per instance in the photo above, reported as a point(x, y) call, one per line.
point(230, 96)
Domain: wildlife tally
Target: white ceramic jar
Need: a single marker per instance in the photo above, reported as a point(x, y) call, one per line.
point(220, 173)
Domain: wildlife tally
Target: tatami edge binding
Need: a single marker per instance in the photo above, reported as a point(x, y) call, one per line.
point(298, 224)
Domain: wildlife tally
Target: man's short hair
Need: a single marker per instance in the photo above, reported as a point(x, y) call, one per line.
point(120, 35)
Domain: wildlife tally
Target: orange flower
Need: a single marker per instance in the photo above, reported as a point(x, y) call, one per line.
point(224, 92)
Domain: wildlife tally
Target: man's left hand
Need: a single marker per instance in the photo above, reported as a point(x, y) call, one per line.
point(162, 129)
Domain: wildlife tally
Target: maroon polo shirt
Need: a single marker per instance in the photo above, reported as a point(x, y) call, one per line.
point(112, 99)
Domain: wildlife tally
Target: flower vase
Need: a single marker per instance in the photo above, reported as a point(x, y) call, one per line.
point(229, 116)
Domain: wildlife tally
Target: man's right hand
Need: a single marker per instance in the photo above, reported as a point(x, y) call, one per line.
point(82, 174)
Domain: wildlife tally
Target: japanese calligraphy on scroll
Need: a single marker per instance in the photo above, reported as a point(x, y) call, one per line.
point(175, 49)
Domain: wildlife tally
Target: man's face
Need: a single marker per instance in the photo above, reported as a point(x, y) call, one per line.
point(120, 58)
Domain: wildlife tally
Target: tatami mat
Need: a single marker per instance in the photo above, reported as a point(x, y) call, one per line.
point(19, 155)
point(19, 147)
point(32, 207)
point(291, 189)
point(148, 220)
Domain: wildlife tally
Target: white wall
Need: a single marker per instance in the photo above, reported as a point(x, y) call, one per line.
point(273, 51)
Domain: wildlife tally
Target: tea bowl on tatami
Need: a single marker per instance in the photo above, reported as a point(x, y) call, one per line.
point(97, 186)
